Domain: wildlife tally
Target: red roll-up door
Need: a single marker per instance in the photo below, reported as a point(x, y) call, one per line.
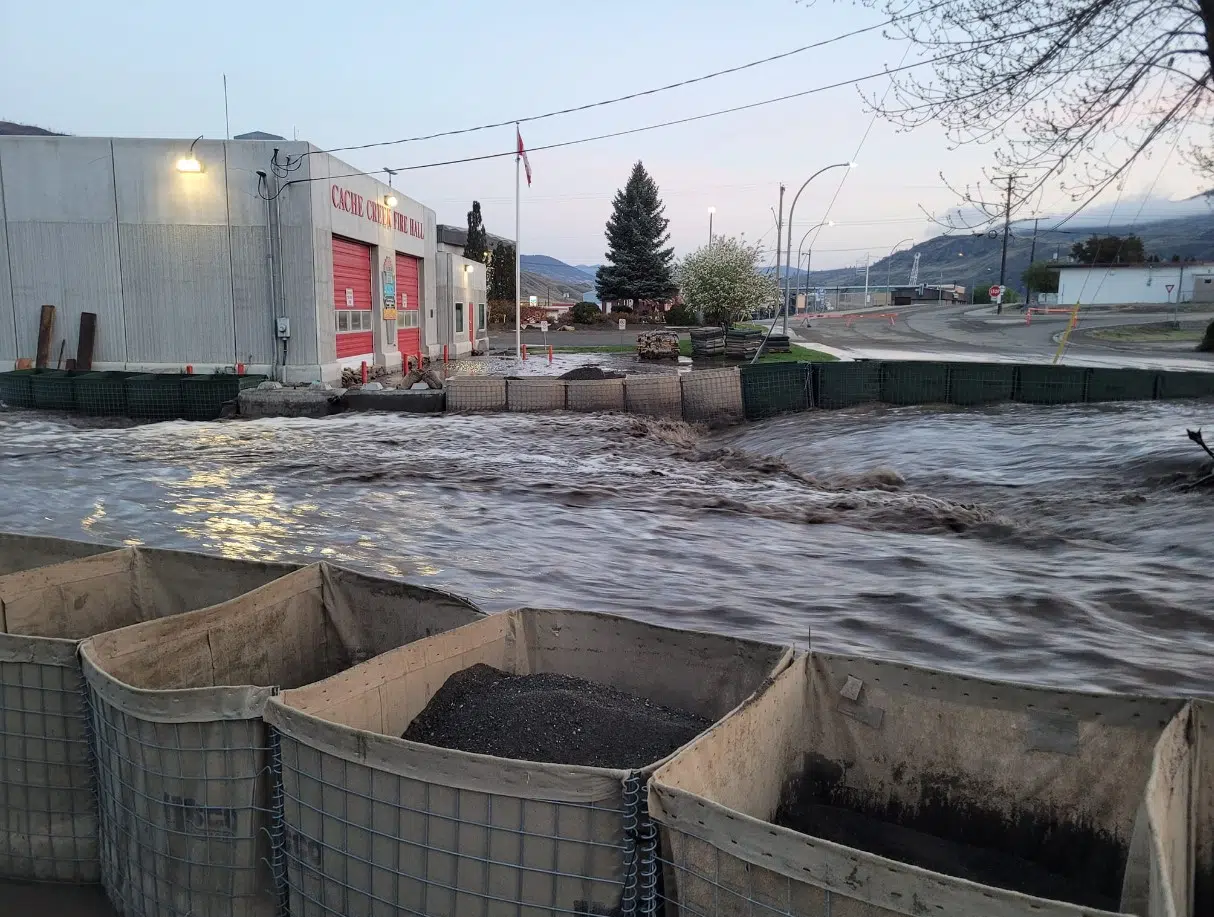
point(408, 299)
point(352, 272)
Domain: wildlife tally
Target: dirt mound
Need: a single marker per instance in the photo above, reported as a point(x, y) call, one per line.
point(557, 719)
point(589, 374)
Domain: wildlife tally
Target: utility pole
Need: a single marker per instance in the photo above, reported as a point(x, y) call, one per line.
point(1007, 231)
point(1032, 257)
point(779, 237)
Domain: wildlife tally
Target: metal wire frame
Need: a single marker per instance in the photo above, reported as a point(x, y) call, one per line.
point(697, 894)
point(47, 794)
point(186, 827)
point(334, 867)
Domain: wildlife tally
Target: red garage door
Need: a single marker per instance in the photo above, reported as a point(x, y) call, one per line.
point(352, 302)
point(409, 299)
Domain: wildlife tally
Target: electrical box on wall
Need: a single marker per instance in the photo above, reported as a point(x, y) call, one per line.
point(282, 328)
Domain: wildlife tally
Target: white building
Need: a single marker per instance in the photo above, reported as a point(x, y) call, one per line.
point(205, 254)
point(1115, 284)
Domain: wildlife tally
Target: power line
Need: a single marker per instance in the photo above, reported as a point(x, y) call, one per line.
point(637, 95)
point(649, 127)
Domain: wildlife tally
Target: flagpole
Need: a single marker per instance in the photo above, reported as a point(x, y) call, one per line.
point(518, 253)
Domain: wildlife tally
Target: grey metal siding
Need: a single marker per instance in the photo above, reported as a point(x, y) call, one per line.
point(177, 288)
point(8, 343)
point(74, 267)
point(253, 317)
point(299, 291)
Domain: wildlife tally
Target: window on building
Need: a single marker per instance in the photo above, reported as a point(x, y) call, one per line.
point(348, 320)
point(480, 317)
point(407, 319)
point(459, 316)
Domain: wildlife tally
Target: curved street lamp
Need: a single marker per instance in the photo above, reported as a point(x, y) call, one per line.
point(889, 269)
point(811, 251)
point(791, 210)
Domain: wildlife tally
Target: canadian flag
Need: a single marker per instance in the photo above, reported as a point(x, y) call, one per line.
point(523, 153)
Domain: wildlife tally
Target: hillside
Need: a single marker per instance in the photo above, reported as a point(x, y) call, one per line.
point(972, 260)
point(557, 270)
point(12, 129)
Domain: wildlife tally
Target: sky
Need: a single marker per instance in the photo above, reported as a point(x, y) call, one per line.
point(340, 75)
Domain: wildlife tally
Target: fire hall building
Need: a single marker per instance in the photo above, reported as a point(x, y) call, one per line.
point(214, 254)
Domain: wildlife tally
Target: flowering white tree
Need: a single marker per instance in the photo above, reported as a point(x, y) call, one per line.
point(723, 281)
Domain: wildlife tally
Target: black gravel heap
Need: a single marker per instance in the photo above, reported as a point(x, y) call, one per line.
point(590, 374)
point(557, 719)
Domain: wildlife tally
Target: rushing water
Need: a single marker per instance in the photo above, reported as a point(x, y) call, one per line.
point(1050, 545)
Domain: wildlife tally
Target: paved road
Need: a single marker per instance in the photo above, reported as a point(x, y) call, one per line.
point(966, 331)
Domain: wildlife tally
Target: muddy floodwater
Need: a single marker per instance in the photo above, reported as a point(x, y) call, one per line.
point(1050, 545)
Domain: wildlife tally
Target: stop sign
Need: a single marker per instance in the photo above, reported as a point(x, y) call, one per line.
point(996, 291)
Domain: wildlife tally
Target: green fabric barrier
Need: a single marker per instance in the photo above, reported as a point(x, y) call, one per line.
point(980, 383)
point(101, 394)
point(1180, 384)
point(1044, 384)
point(1122, 384)
point(52, 390)
point(154, 396)
point(914, 382)
point(15, 388)
point(202, 397)
point(843, 385)
point(769, 389)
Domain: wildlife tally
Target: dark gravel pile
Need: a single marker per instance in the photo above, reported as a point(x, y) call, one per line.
point(553, 718)
point(589, 374)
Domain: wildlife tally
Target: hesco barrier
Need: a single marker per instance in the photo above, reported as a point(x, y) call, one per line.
point(1175, 384)
point(52, 390)
point(654, 396)
point(101, 394)
point(154, 396)
point(775, 388)
point(1122, 384)
point(48, 808)
point(188, 789)
point(980, 383)
point(845, 385)
point(1203, 809)
point(712, 396)
point(915, 383)
point(467, 394)
point(1051, 384)
point(202, 397)
point(1096, 788)
point(15, 390)
point(596, 395)
point(376, 824)
point(535, 394)
point(24, 552)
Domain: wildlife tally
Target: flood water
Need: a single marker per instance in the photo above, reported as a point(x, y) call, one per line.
point(1051, 545)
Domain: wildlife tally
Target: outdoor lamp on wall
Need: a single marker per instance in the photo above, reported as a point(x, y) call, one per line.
point(390, 201)
point(189, 163)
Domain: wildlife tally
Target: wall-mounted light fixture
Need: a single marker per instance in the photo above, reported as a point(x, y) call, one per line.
point(390, 200)
point(189, 163)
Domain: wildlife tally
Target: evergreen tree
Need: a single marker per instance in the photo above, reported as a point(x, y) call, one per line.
point(477, 246)
point(501, 274)
point(1109, 250)
point(640, 266)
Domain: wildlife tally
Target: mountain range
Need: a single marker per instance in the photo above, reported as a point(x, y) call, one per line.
point(966, 259)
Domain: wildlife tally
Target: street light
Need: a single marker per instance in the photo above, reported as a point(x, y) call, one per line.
point(711, 211)
point(811, 251)
point(889, 267)
point(791, 210)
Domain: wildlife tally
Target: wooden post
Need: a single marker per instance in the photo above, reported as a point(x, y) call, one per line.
point(88, 336)
point(46, 330)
